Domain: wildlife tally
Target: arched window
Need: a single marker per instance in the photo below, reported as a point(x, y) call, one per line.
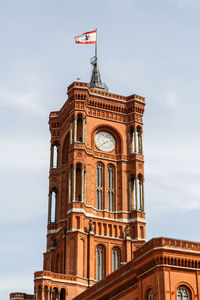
point(110, 188)
point(132, 193)
point(99, 186)
point(131, 148)
point(62, 294)
point(140, 189)
point(150, 295)
point(182, 293)
point(46, 292)
point(78, 196)
point(54, 293)
point(115, 259)
point(52, 207)
point(79, 128)
point(100, 262)
point(65, 149)
point(54, 156)
point(139, 140)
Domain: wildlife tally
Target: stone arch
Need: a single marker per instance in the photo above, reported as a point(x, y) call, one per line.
point(63, 294)
point(187, 286)
point(46, 292)
point(65, 148)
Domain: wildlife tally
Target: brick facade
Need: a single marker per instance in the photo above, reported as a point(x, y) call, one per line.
point(161, 265)
point(79, 226)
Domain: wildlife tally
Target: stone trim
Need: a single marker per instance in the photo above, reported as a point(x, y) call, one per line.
point(90, 215)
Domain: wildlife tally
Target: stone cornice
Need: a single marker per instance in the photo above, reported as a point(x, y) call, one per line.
point(167, 243)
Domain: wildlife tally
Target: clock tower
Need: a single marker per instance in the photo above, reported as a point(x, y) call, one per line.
point(96, 212)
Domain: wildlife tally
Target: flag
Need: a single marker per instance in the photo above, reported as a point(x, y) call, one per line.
point(87, 38)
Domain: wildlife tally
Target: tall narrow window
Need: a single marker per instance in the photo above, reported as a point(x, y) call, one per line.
point(54, 156)
point(78, 196)
point(132, 193)
point(182, 293)
point(65, 150)
point(141, 193)
point(139, 140)
point(115, 259)
point(69, 185)
point(110, 187)
point(62, 294)
point(99, 186)
point(100, 262)
point(79, 128)
point(53, 207)
point(150, 295)
point(131, 141)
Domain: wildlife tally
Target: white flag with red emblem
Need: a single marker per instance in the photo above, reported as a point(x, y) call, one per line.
point(87, 38)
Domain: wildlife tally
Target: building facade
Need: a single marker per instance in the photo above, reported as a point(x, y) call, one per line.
point(162, 269)
point(96, 217)
point(21, 296)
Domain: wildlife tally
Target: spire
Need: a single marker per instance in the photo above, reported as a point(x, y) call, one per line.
point(95, 81)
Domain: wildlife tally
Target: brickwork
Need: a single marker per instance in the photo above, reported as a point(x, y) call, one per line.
point(71, 245)
point(21, 296)
point(161, 265)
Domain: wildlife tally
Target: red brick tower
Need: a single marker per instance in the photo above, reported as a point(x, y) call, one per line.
point(96, 213)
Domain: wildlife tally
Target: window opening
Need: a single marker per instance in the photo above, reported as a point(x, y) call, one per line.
point(182, 293)
point(115, 259)
point(110, 188)
point(99, 186)
point(100, 262)
point(53, 207)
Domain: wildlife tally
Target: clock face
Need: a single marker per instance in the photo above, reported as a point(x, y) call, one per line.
point(105, 141)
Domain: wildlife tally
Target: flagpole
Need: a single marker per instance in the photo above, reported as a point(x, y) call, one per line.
point(96, 46)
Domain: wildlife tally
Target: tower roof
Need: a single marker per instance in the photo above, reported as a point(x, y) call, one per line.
point(95, 81)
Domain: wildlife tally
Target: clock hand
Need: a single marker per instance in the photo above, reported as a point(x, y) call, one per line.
point(103, 143)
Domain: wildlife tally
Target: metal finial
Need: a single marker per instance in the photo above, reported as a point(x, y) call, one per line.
point(95, 81)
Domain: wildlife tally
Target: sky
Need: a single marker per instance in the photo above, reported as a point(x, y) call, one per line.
point(150, 48)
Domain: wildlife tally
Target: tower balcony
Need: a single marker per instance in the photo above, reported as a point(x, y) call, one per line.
point(43, 276)
point(50, 285)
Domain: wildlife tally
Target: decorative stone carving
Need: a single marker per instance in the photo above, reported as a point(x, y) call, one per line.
point(91, 226)
point(53, 242)
point(127, 231)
